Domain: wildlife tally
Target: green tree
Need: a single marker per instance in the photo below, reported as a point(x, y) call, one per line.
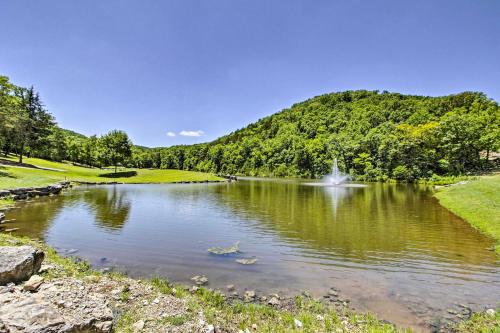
point(35, 123)
point(116, 148)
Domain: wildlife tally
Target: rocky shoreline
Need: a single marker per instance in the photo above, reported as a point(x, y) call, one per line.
point(37, 297)
point(42, 292)
point(24, 193)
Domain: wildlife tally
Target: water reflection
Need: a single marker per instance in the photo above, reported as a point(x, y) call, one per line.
point(111, 207)
point(380, 223)
point(337, 195)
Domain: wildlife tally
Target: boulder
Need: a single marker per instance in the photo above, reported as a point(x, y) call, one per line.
point(21, 190)
point(19, 263)
point(21, 196)
point(54, 189)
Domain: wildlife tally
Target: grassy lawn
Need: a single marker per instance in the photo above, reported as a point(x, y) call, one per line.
point(12, 177)
point(477, 202)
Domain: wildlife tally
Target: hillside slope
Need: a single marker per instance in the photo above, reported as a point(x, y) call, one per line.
point(374, 135)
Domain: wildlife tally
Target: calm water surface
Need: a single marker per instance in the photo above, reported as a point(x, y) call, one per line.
point(390, 249)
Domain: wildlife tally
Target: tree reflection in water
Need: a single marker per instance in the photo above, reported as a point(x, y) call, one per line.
point(110, 206)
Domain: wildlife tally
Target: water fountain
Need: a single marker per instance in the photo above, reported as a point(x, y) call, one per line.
point(336, 177)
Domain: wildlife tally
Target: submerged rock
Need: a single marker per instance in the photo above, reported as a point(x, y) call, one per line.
point(200, 280)
point(246, 261)
point(333, 292)
point(19, 263)
point(221, 251)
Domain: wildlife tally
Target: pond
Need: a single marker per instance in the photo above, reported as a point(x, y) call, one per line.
point(391, 249)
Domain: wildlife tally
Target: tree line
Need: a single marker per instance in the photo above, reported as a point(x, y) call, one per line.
point(28, 129)
point(374, 135)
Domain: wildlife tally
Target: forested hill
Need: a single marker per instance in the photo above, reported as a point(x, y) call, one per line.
point(374, 136)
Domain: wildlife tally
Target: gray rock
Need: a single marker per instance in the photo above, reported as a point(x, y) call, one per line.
point(490, 312)
point(274, 301)
point(22, 196)
point(19, 263)
point(138, 326)
point(2, 217)
point(33, 283)
point(333, 293)
point(60, 306)
point(200, 280)
point(249, 295)
point(246, 261)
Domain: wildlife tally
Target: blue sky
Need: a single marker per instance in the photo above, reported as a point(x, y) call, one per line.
point(172, 72)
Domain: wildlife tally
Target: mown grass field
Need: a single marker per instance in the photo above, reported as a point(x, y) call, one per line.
point(477, 202)
point(12, 177)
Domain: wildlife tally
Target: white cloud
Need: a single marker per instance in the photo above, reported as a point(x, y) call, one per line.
point(191, 133)
point(171, 134)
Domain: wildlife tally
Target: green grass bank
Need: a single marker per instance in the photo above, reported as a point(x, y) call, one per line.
point(476, 201)
point(13, 177)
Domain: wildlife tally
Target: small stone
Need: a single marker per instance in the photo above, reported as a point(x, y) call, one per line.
point(210, 329)
point(230, 287)
point(249, 295)
point(33, 283)
point(254, 327)
point(332, 292)
point(138, 326)
point(156, 301)
point(193, 289)
point(104, 326)
point(274, 301)
point(298, 323)
point(200, 280)
point(306, 294)
point(145, 303)
point(490, 312)
point(263, 298)
point(45, 268)
point(320, 318)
